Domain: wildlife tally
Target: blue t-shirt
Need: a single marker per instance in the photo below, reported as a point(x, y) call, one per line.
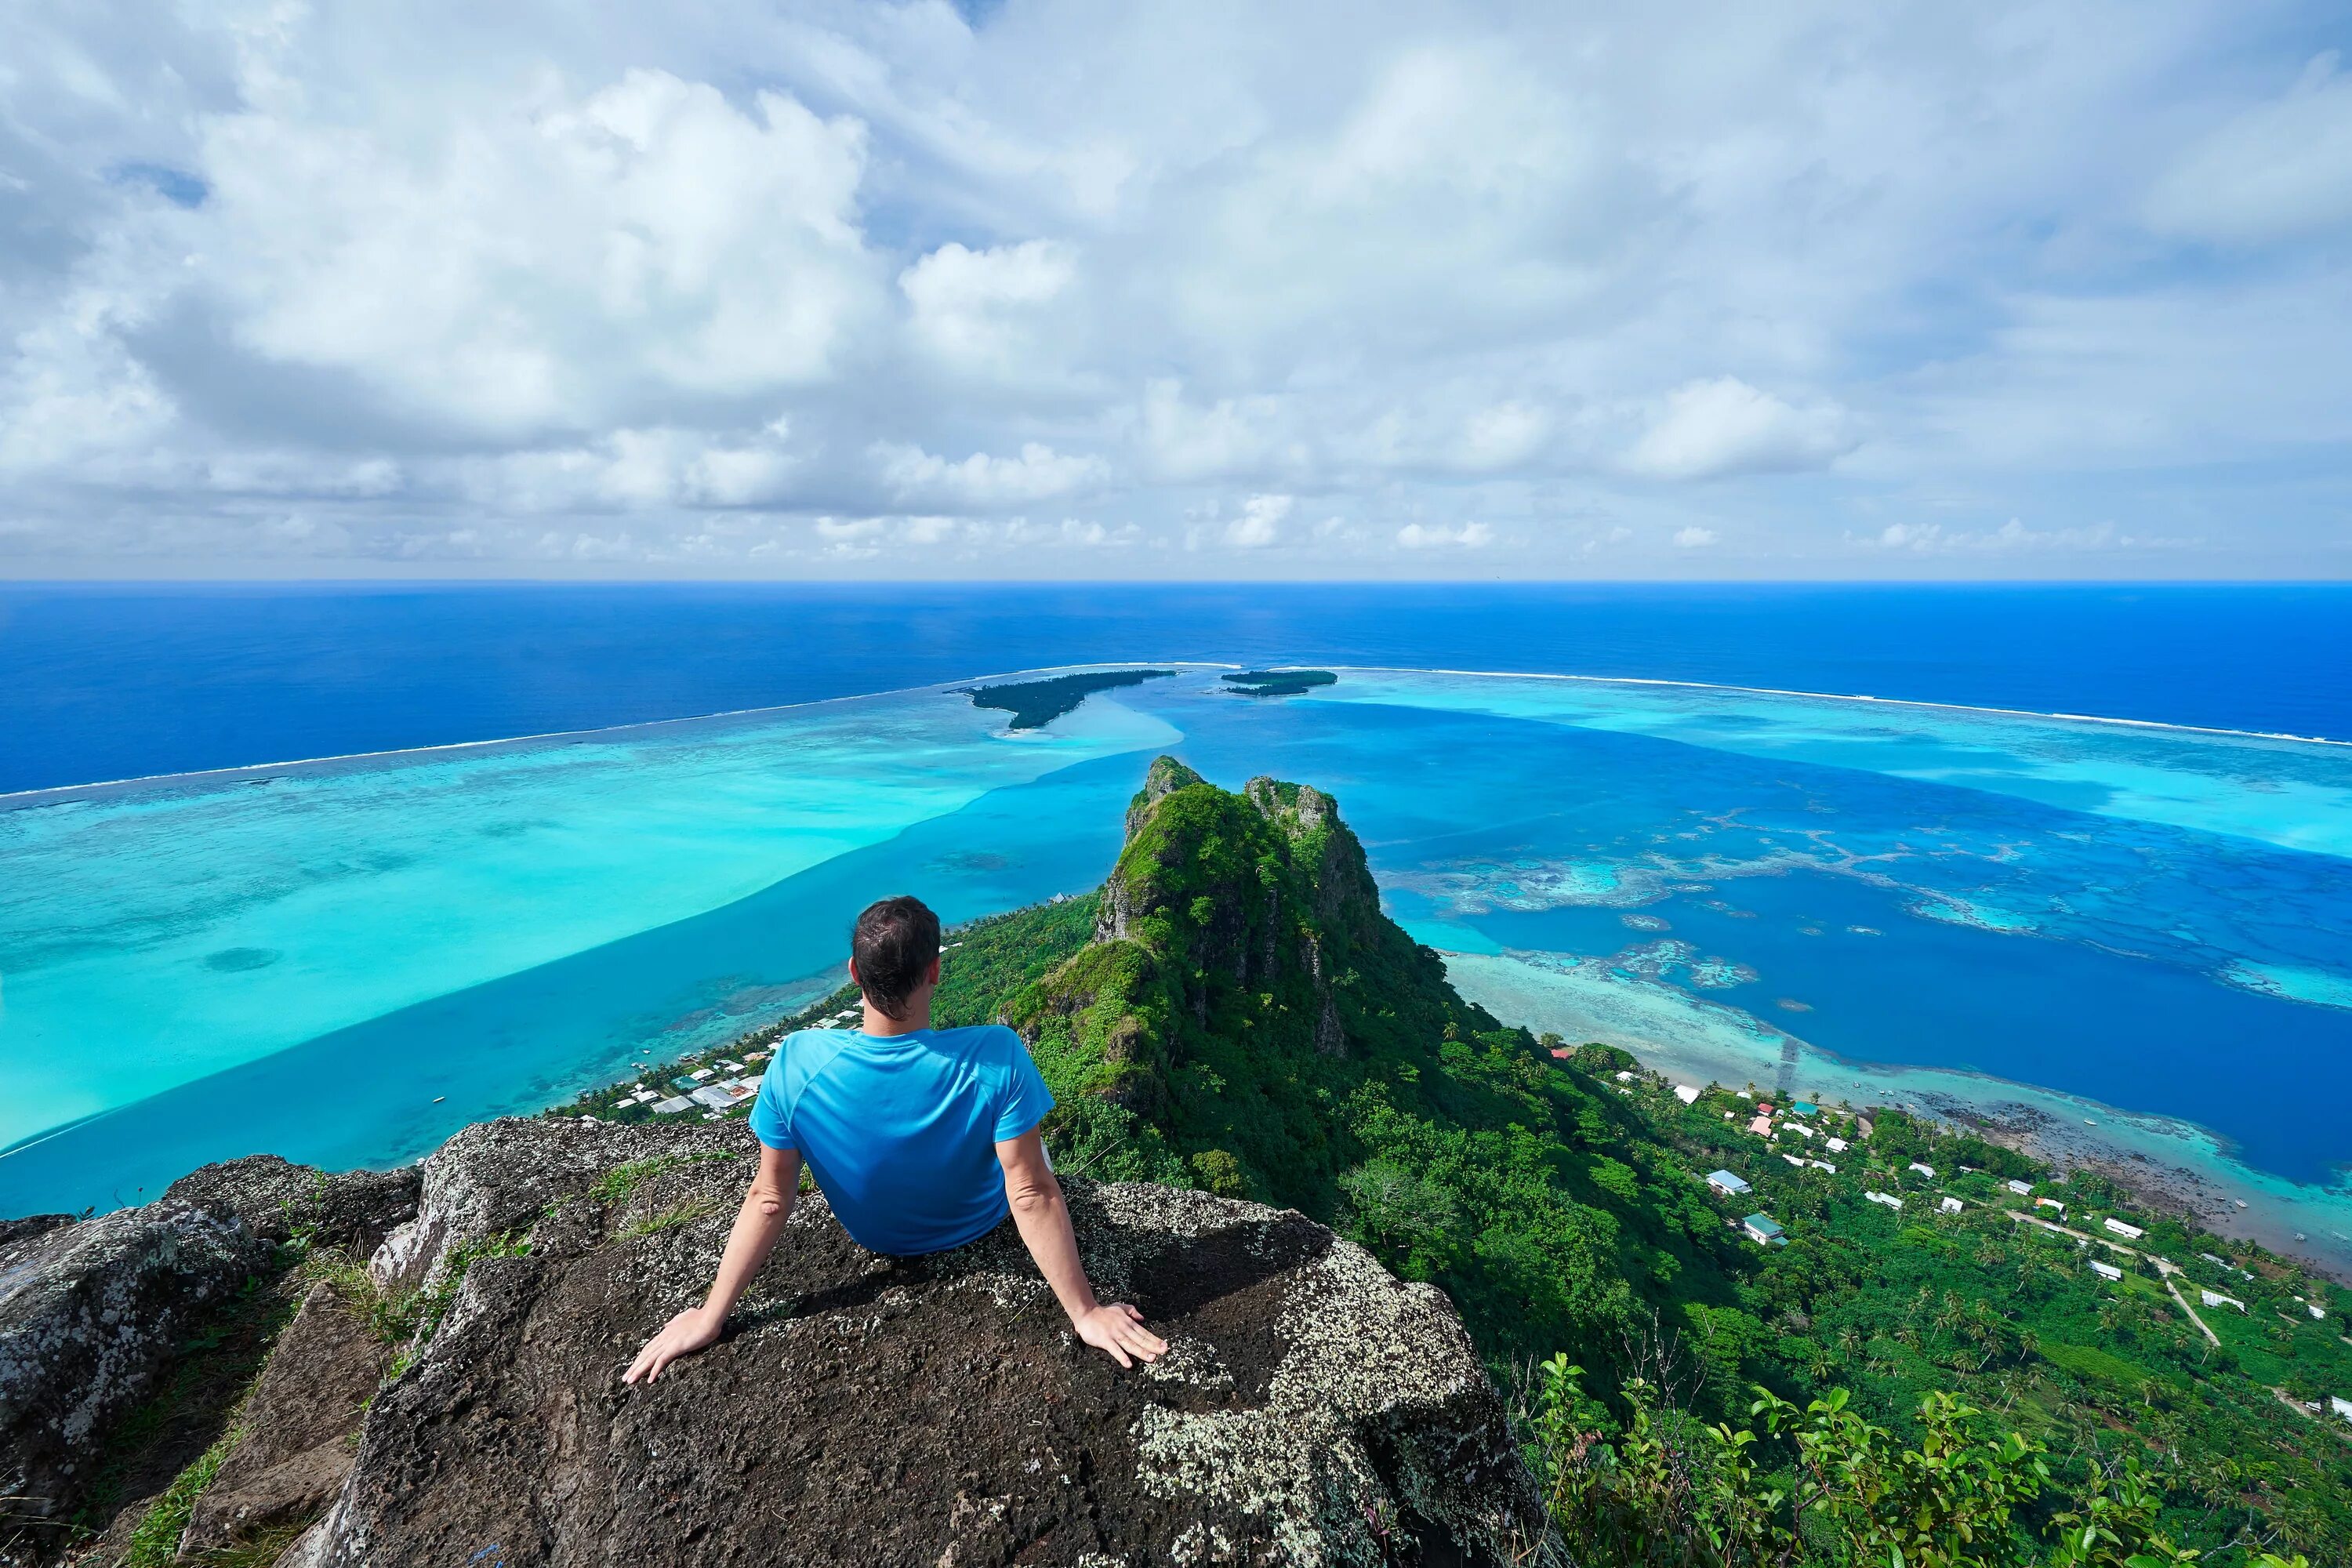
point(900, 1131)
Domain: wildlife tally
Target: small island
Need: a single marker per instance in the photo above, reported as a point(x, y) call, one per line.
point(1279, 682)
point(1033, 703)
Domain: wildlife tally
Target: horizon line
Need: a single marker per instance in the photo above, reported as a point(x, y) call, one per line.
point(525, 580)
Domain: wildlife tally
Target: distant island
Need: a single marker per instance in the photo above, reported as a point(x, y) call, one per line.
point(1279, 682)
point(1035, 702)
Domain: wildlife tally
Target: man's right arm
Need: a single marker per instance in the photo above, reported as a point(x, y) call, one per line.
point(758, 1223)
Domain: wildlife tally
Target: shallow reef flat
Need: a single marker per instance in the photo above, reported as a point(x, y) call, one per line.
point(158, 933)
point(2125, 916)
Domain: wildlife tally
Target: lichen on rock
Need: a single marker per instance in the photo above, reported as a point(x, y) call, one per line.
point(869, 1410)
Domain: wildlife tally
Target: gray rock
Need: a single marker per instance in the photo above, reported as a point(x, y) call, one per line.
point(94, 1314)
point(90, 1313)
point(865, 1409)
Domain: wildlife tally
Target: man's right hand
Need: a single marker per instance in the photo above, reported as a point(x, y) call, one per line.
point(690, 1330)
point(1118, 1329)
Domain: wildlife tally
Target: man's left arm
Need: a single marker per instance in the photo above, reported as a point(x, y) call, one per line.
point(1044, 1220)
point(758, 1223)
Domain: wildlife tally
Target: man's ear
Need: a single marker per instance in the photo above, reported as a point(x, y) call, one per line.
point(853, 977)
point(931, 975)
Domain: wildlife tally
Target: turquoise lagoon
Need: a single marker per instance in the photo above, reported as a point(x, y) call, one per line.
point(2062, 920)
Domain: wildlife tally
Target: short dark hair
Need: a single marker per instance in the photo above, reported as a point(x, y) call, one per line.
point(894, 942)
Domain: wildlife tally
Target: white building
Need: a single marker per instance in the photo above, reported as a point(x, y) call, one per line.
point(1889, 1199)
point(2021, 1188)
point(1687, 1093)
point(2314, 1308)
point(2215, 1299)
point(2105, 1270)
point(672, 1106)
point(2050, 1204)
point(1950, 1205)
point(2129, 1232)
point(1723, 1182)
point(1837, 1145)
point(1625, 1076)
point(1823, 1166)
point(1926, 1171)
point(2342, 1406)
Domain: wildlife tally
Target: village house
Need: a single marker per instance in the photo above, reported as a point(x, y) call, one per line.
point(1687, 1093)
point(1837, 1145)
point(1889, 1199)
point(2129, 1232)
point(2050, 1204)
point(2105, 1270)
point(2021, 1189)
point(1723, 1182)
point(1950, 1205)
point(1926, 1171)
point(2215, 1299)
point(1762, 1228)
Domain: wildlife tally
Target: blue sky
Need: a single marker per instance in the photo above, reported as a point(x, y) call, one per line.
point(1816, 291)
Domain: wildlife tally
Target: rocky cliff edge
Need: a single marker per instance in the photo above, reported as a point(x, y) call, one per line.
point(459, 1400)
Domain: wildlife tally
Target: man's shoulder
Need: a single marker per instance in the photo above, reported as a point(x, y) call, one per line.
point(807, 1050)
point(992, 1042)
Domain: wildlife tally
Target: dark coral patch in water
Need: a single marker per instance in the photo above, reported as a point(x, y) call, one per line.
point(233, 960)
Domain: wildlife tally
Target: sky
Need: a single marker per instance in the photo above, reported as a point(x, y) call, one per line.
point(1195, 291)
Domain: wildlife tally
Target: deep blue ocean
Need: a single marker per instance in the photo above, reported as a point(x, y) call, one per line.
point(110, 681)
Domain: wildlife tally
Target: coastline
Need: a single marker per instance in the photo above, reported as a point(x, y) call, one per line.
point(2172, 1165)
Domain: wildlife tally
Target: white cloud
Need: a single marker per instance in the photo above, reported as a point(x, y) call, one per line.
point(1711, 429)
point(1231, 439)
point(280, 281)
point(2280, 170)
point(1437, 536)
point(1502, 437)
point(1693, 537)
point(1260, 524)
point(540, 258)
point(982, 481)
point(2013, 536)
point(979, 311)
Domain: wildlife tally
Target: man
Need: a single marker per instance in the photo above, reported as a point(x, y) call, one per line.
point(921, 1139)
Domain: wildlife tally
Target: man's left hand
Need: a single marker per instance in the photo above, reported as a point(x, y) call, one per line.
point(690, 1331)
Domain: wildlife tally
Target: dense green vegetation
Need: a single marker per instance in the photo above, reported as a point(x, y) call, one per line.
point(1565, 1210)
point(1915, 1385)
point(1279, 682)
point(1035, 702)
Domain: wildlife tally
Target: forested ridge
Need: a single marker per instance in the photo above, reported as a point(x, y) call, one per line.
point(1911, 1384)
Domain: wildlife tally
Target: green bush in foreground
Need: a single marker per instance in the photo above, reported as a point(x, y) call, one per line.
point(1822, 1485)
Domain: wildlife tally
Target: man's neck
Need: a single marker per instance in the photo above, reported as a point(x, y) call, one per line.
point(919, 1016)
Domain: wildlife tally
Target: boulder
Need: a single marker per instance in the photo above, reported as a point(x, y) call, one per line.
point(90, 1313)
point(94, 1314)
point(863, 1409)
